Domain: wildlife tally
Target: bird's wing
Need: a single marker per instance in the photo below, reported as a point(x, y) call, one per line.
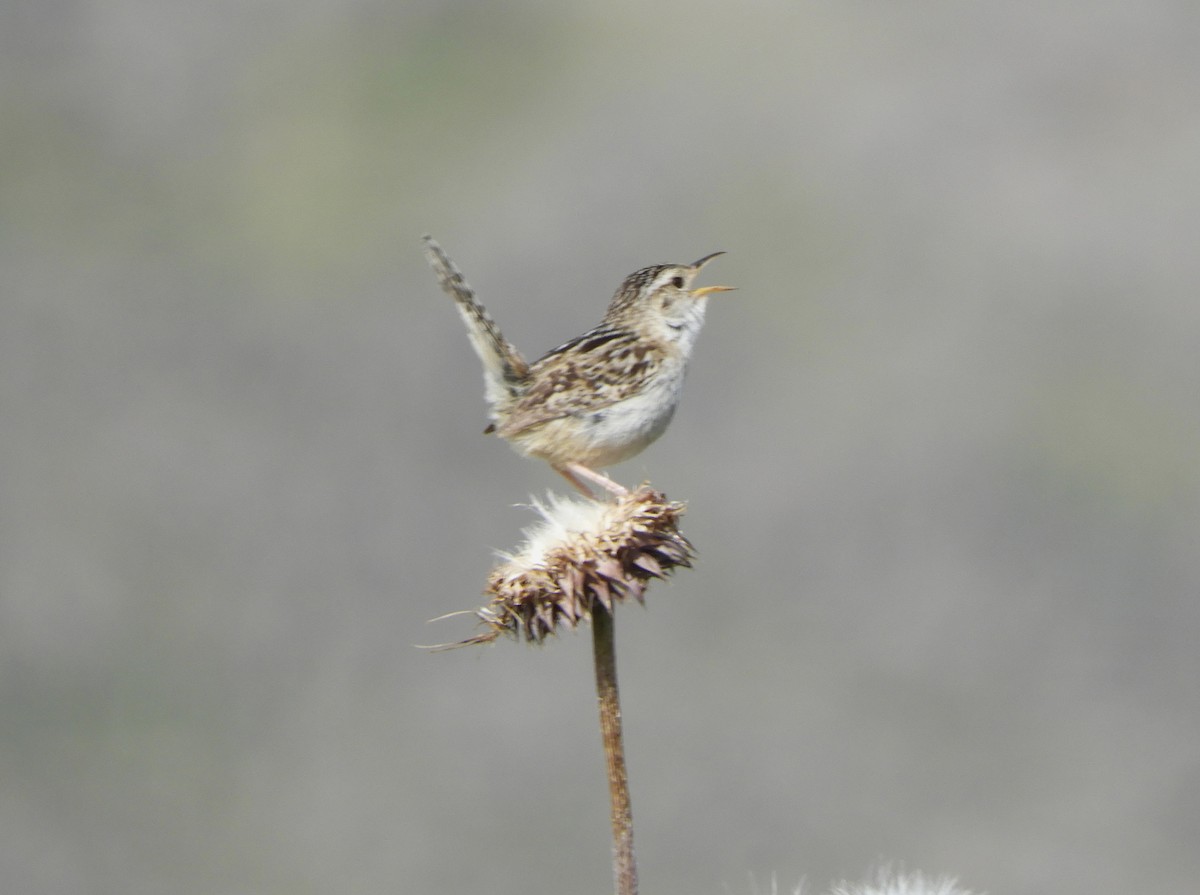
point(587, 374)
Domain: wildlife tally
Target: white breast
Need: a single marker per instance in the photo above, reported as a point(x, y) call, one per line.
point(628, 427)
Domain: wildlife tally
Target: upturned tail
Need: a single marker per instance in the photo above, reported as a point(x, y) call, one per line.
point(504, 369)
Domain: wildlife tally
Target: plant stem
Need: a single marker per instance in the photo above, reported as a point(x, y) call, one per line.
point(605, 655)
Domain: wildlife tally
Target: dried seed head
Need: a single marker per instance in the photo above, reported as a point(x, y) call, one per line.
point(580, 552)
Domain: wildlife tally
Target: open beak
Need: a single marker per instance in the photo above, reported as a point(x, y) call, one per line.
point(707, 290)
point(699, 264)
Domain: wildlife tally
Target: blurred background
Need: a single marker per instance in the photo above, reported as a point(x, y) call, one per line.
point(941, 450)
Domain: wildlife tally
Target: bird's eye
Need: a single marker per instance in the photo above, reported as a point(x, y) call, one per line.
point(677, 282)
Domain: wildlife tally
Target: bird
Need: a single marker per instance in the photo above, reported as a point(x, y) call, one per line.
point(603, 396)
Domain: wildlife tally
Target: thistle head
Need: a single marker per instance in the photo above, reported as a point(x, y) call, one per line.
point(578, 554)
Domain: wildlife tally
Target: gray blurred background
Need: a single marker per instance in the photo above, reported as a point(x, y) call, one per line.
point(941, 450)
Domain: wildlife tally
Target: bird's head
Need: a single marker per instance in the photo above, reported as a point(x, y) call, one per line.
point(664, 293)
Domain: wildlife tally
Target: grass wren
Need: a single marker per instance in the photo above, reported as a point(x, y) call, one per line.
point(602, 397)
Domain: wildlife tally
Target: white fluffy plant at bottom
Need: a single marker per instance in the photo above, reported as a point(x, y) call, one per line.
point(885, 883)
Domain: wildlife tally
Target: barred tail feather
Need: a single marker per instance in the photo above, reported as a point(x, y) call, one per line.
point(504, 368)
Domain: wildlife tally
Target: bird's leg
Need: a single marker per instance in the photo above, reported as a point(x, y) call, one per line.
point(573, 472)
point(578, 485)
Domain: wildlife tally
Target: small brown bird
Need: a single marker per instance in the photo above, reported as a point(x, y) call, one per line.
point(602, 397)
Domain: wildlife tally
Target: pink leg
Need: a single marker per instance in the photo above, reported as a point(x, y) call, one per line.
point(573, 472)
point(579, 486)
